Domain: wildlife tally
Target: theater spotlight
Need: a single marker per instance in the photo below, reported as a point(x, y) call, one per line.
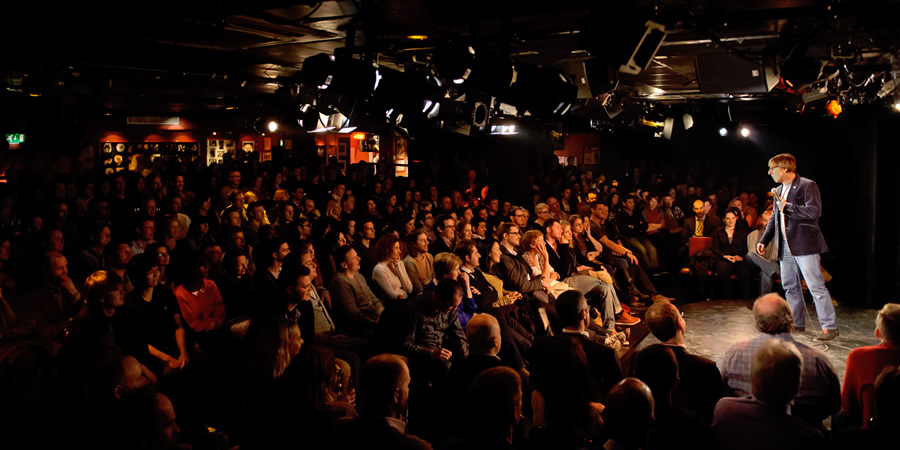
point(453, 62)
point(544, 92)
point(342, 75)
point(312, 121)
point(688, 121)
point(266, 124)
point(668, 127)
point(339, 123)
point(897, 106)
point(504, 126)
point(745, 132)
point(413, 95)
point(723, 132)
point(491, 74)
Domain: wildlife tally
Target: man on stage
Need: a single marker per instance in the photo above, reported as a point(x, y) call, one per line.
point(800, 242)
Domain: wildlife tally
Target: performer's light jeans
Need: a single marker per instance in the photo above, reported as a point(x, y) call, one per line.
point(808, 265)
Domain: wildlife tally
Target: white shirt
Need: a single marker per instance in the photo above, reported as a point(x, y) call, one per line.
point(785, 188)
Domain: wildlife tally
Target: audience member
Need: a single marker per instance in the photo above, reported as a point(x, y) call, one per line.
point(385, 380)
point(418, 262)
point(700, 384)
point(356, 308)
point(629, 415)
point(674, 427)
point(764, 420)
point(390, 273)
point(864, 364)
point(574, 314)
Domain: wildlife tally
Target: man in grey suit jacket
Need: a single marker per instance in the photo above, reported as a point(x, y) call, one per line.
point(795, 222)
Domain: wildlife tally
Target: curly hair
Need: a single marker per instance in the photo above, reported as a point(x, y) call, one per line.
point(385, 246)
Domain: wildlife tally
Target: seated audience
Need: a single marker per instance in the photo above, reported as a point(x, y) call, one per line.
point(819, 393)
point(605, 230)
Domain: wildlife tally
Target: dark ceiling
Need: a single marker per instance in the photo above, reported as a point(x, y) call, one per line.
point(210, 55)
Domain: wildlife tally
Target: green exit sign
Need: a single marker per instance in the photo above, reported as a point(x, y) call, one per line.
point(16, 138)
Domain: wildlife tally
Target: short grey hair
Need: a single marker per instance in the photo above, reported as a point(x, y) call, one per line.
point(775, 372)
point(888, 323)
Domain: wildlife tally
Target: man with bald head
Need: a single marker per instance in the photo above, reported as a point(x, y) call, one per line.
point(629, 415)
point(820, 390)
point(700, 224)
point(384, 385)
point(483, 333)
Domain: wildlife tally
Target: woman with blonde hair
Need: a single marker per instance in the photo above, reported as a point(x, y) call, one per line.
point(278, 343)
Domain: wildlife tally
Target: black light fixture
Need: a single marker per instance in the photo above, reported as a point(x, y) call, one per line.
point(342, 75)
point(491, 74)
point(412, 95)
point(544, 92)
point(453, 62)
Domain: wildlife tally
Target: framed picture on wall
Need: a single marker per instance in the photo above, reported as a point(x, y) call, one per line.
point(591, 155)
point(343, 148)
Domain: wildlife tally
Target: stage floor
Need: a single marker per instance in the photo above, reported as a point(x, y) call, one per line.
point(714, 325)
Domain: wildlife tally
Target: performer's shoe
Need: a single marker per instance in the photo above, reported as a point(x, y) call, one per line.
point(800, 329)
point(827, 335)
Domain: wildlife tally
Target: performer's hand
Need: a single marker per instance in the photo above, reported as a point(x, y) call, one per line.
point(779, 200)
point(760, 248)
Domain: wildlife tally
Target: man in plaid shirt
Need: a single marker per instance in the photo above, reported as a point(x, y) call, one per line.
point(820, 389)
